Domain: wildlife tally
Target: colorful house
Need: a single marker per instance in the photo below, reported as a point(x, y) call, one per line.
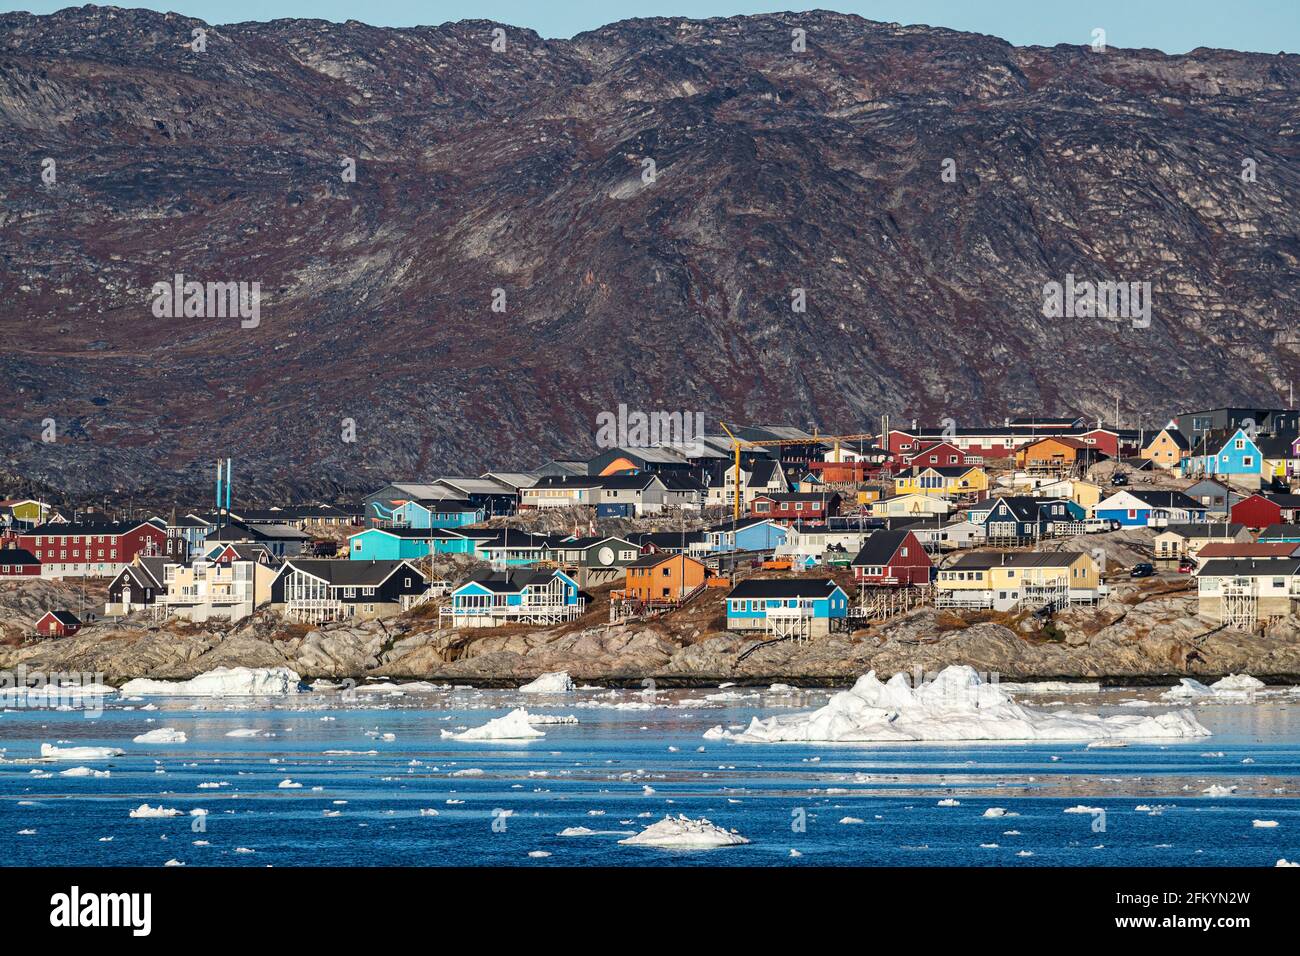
point(1167, 448)
point(78, 549)
point(1004, 580)
point(313, 590)
point(58, 624)
point(941, 454)
point(1150, 508)
point(662, 577)
point(892, 559)
point(749, 534)
point(795, 506)
point(1177, 540)
point(1056, 455)
point(1243, 590)
point(1263, 510)
point(941, 480)
point(23, 512)
point(913, 504)
point(436, 513)
point(514, 597)
point(18, 563)
point(787, 607)
point(1235, 455)
point(407, 544)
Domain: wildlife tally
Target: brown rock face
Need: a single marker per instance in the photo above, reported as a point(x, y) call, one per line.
point(529, 171)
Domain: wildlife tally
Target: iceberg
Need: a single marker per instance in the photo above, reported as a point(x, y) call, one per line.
point(163, 735)
point(556, 682)
point(1232, 687)
point(513, 726)
point(221, 682)
point(50, 752)
point(956, 705)
point(683, 833)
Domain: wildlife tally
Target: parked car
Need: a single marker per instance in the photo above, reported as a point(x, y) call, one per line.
point(1100, 525)
point(1186, 566)
point(1142, 570)
point(1119, 479)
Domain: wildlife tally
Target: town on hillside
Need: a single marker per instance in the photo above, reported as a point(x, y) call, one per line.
point(772, 531)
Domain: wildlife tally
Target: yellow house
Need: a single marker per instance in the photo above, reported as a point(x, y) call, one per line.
point(942, 479)
point(1167, 449)
point(26, 511)
point(208, 590)
point(914, 504)
point(1005, 580)
point(869, 493)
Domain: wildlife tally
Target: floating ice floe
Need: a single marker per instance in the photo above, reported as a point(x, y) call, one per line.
point(83, 772)
point(1285, 862)
point(1232, 687)
point(243, 732)
point(221, 682)
point(683, 833)
point(555, 682)
point(956, 705)
point(1052, 687)
point(513, 726)
point(144, 811)
point(51, 752)
point(1217, 790)
point(162, 735)
point(1263, 824)
point(545, 719)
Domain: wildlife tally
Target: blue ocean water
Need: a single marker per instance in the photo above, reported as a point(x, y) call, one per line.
point(362, 803)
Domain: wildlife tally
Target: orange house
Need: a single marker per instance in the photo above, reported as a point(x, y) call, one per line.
point(661, 577)
point(1050, 454)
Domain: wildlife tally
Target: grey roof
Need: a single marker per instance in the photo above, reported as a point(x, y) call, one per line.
point(509, 582)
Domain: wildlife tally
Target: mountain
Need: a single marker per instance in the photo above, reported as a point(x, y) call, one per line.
point(525, 170)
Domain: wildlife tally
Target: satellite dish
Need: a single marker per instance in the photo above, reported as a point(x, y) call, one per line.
point(605, 555)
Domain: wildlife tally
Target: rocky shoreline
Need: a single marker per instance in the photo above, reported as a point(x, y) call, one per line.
point(1153, 642)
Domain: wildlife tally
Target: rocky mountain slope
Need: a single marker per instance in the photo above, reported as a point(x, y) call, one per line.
point(526, 170)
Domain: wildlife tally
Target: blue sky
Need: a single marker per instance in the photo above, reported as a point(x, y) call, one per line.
point(1175, 26)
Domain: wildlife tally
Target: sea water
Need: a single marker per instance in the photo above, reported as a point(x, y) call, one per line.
point(372, 780)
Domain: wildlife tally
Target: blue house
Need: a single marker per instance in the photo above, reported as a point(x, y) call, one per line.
point(514, 597)
point(1235, 454)
point(794, 607)
point(751, 534)
point(1146, 508)
point(406, 544)
point(436, 513)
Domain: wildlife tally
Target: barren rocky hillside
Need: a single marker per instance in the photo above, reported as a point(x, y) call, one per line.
point(527, 171)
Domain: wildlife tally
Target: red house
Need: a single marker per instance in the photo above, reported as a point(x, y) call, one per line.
point(1264, 511)
point(92, 549)
point(941, 454)
point(892, 559)
point(58, 624)
point(795, 506)
point(18, 562)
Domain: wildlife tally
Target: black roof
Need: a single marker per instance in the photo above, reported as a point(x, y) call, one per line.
point(880, 547)
point(66, 618)
point(1218, 567)
point(510, 581)
point(17, 556)
point(81, 528)
point(783, 588)
point(1164, 499)
point(341, 572)
point(1280, 531)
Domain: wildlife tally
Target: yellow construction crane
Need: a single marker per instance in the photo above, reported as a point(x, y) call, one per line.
point(738, 443)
